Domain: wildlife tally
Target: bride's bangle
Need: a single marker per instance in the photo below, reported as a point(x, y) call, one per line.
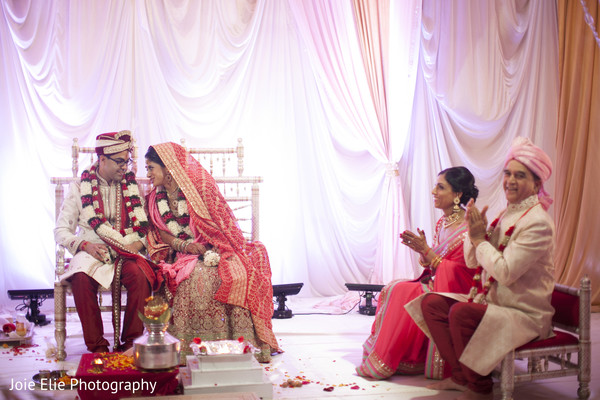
point(178, 245)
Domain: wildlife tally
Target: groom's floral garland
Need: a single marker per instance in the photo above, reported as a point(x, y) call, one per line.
point(94, 214)
point(477, 277)
point(178, 226)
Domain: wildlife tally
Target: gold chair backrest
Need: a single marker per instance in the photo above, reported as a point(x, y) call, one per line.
point(241, 192)
point(227, 157)
point(225, 164)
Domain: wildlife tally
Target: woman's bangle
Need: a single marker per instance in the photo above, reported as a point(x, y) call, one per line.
point(424, 264)
point(83, 244)
point(436, 261)
point(176, 244)
point(180, 245)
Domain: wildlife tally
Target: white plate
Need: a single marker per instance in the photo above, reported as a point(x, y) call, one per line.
point(13, 337)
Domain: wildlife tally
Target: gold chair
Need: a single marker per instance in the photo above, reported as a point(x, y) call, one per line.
point(551, 358)
point(241, 192)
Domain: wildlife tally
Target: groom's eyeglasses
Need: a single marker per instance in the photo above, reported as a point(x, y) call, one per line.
point(120, 162)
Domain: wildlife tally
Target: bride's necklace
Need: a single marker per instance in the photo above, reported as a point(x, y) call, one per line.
point(173, 198)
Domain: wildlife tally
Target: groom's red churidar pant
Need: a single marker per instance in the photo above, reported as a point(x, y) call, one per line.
point(85, 290)
point(452, 324)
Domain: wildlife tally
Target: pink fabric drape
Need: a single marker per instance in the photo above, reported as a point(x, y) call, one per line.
point(373, 29)
point(577, 165)
point(373, 32)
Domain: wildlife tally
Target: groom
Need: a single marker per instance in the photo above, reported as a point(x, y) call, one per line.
point(102, 223)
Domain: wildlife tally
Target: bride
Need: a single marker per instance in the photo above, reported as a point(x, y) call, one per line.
point(218, 283)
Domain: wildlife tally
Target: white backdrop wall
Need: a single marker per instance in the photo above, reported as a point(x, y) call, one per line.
point(348, 122)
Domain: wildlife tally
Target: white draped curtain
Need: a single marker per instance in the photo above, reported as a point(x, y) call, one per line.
point(348, 109)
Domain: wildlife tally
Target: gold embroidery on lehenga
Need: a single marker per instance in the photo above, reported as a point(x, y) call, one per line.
point(197, 314)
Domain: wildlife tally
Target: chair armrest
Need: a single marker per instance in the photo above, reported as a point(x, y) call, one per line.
point(60, 260)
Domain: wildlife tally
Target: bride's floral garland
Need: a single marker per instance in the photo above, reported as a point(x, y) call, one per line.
point(94, 214)
point(477, 277)
point(179, 227)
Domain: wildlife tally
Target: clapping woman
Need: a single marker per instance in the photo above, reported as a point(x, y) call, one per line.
point(396, 344)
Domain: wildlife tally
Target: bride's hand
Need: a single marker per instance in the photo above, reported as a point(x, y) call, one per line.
point(195, 248)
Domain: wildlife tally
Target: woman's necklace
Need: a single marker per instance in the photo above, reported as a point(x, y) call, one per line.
point(451, 219)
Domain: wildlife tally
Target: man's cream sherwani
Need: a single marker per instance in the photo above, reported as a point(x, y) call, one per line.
point(71, 230)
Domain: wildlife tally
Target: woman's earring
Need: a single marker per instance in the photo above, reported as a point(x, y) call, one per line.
point(456, 208)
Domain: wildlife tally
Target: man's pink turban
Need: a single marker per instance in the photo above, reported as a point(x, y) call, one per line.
point(536, 160)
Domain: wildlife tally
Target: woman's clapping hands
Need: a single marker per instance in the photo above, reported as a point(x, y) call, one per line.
point(416, 242)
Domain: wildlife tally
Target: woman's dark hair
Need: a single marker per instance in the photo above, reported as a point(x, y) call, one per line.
point(461, 180)
point(152, 155)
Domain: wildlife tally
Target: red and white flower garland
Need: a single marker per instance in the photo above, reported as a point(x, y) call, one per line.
point(180, 226)
point(94, 214)
point(477, 277)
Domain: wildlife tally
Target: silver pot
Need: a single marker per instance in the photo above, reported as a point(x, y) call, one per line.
point(156, 348)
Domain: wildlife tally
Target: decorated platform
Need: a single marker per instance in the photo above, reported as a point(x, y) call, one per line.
point(224, 366)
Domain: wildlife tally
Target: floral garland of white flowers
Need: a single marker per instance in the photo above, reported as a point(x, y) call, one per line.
point(179, 227)
point(94, 215)
point(211, 258)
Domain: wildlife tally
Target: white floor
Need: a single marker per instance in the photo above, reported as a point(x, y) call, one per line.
point(322, 349)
